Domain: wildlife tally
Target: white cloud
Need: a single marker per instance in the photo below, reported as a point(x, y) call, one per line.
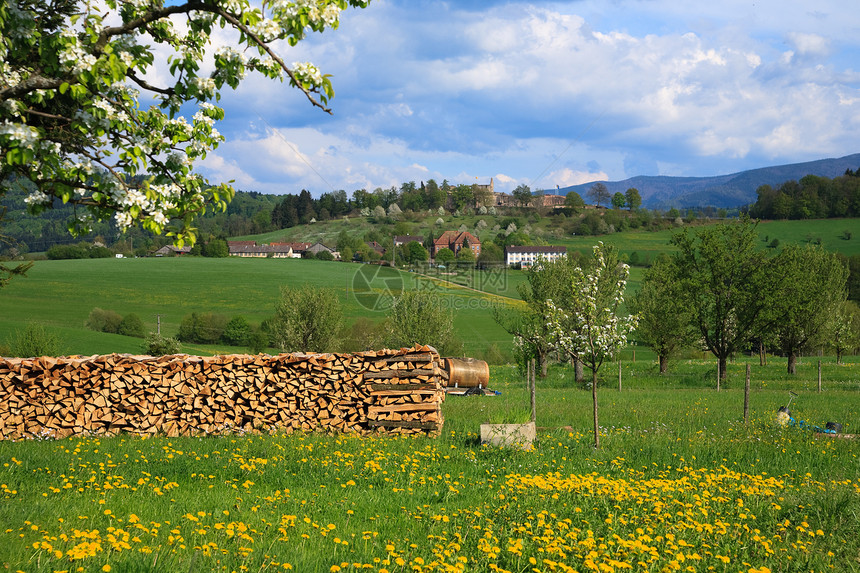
point(432, 90)
point(567, 177)
point(809, 44)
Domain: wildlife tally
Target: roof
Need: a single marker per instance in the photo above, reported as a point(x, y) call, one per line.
point(237, 249)
point(295, 246)
point(456, 237)
point(319, 246)
point(241, 243)
point(175, 249)
point(408, 239)
point(536, 249)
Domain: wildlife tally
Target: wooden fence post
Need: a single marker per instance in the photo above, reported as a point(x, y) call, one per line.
point(532, 386)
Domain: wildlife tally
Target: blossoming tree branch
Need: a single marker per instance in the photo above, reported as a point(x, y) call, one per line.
point(83, 120)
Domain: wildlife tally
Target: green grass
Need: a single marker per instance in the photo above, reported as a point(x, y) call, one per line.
point(61, 295)
point(680, 480)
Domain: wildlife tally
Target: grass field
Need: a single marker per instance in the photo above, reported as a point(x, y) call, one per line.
point(680, 483)
point(61, 295)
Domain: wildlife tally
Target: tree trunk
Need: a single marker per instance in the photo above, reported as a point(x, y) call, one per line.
point(594, 401)
point(792, 363)
point(664, 363)
point(723, 369)
point(762, 354)
point(544, 363)
point(838, 357)
point(579, 374)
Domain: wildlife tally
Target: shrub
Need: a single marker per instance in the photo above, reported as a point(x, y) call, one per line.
point(204, 328)
point(237, 332)
point(157, 345)
point(258, 341)
point(102, 320)
point(131, 325)
point(99, 253)
point(59, 252)
point(307, 319)
point(325, 256)
point(419, 317)
point(363, 334)
point(34, 340)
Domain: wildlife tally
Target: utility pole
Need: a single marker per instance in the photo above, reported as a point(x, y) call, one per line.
point(158, 324)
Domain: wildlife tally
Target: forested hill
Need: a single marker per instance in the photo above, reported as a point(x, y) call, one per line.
point(727, 191)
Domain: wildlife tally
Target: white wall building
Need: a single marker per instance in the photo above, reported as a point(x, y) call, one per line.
point(527, 256)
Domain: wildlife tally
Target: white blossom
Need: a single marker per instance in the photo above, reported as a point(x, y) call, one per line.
point(306, 71)
point(37, 198)
point(25, 135)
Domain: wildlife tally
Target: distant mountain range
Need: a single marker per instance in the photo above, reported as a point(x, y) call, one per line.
point(735, 190)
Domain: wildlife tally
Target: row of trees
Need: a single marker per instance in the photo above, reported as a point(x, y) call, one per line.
point(813, 197)
point(720, 292)
point(599, 193)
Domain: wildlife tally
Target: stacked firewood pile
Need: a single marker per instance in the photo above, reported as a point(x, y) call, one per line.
point(390, 391)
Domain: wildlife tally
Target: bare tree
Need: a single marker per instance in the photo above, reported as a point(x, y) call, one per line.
point(599, 193)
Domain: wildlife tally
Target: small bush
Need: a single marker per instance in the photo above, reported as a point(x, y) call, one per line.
point(131, 325)
point(34, 340)
point(157, 345)
point(102, 320)
point(237, 332)
point(204, 328)
point(258, 341)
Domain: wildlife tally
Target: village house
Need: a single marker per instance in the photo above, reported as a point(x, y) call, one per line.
point(404, 239)
point(261, 251)
point(318, 246)
point(527, 256)
point(168, 250)
point(376, 247)
point(297, 248)
point(456, 240)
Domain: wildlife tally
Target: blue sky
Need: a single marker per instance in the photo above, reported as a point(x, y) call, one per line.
point(552, 93)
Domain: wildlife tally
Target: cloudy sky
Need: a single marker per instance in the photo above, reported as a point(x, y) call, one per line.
point(552, 93)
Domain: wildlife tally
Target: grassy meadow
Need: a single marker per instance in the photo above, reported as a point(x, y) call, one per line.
point(680, 483)
point(61, 294)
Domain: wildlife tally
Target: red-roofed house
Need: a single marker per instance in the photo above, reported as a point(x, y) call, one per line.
point(456, 240)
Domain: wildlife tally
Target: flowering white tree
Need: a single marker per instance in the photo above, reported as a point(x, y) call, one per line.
point(75, 94)
point(588, 327)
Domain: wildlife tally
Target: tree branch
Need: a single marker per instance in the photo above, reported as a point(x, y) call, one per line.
point(147, 86)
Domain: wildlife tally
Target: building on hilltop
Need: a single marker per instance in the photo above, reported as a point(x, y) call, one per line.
point(553, 200)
